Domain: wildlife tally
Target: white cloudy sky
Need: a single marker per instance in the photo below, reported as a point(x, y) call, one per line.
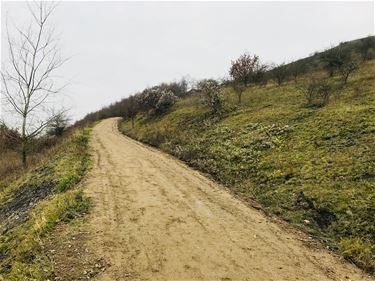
point(117, 48)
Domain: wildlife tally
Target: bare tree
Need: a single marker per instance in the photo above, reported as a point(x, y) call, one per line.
point(131, 108)
point(260, 76)
point(297, 68)
point(317, 91)
point(241, 71)
point(28, 80)
point(349, 65)
point(280, 73)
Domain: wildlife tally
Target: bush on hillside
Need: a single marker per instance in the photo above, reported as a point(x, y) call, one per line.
point(211, 95)
point(148, 98)
point(367, 47)
point(317, 91)
point(261, 75)
point(179, 88)
point(298, 68)
point(342, 60)
point(58, 125)
point(350, 64)
point(167, 100)
point(9, 138)
point(280, 73)
point(156, 100)
point(332, 60)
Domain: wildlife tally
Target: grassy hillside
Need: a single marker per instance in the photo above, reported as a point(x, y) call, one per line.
point(364, 47)
point(313, 167)
point(35, 202)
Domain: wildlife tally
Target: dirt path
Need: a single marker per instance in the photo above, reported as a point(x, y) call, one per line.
point(156, 219)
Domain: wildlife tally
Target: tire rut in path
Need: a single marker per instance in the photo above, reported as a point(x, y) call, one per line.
point(156, 219)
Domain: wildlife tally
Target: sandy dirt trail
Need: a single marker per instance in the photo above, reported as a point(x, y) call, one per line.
point(156, 219)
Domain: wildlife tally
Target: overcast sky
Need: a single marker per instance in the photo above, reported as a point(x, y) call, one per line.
point(118, 48)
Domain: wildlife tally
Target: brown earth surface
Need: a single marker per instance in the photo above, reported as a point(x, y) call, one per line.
point(154, 218)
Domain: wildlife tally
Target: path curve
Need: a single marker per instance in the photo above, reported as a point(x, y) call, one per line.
point(156, 219)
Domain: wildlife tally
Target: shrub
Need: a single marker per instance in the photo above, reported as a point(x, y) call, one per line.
point(280, 73)
point(8, 137)
point(349, 65)
point(260, 76)
point(211, 95)
point(332, 59)
point(367, 47)
point(298, 68)
point(342, 60)
point(156, 100)
point(317, 91)
point(148, 98)
point(166, 101)
point(58, 125)
point(179, 88)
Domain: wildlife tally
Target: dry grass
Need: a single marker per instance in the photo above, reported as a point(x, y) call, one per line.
point(11, 166)
point(63, 165)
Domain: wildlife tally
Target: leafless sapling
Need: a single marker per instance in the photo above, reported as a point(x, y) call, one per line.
point(28, 78)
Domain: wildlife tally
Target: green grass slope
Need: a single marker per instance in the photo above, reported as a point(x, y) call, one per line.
point(313, 167)
point(32, 205)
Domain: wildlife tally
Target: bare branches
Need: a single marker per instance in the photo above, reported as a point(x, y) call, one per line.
point(28, 82)
point(244, 67)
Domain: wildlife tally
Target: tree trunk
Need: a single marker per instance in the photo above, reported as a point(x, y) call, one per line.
point(24, 143)
point(346, 78)
point(239, 97)
point(24, 154)
point(132, 122)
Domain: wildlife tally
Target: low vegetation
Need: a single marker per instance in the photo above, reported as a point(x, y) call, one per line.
point(305, 155)
point(296, 137)
point(32, 205)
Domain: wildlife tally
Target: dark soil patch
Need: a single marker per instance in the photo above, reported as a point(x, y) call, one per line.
point(324, 217)
point(15, 211)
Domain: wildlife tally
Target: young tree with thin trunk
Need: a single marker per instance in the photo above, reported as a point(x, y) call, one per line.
point(297, 68)
point(241, 71)
point(28, 83)
point(131, 108)
point(280, 73)
point(349, 65)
